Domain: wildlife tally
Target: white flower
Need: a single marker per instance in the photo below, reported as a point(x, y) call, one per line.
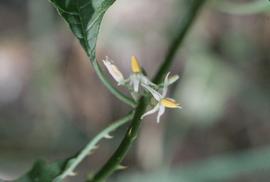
point(114, 71)
point(163, 101)
point(136, 79)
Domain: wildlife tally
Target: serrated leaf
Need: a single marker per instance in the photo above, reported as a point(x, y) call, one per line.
point(84, 18)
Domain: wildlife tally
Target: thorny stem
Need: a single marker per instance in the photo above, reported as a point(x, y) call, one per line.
point(131, 134)
point(75, 161)
point(111, 165)
point(92, 144)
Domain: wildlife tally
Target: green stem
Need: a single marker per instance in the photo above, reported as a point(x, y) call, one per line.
point(112, 89)
point(74, 162)
point(131, 134)
point(111, 165)
point(178, 41)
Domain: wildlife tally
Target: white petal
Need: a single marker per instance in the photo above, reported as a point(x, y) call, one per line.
point(166, 84)
point(155, 94)
point(113, 70)
point(160, 112)
point(146, 81)
point(155, 109)
point(136, 83)
point(173, 79)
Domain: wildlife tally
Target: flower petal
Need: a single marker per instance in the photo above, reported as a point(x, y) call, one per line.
point(166, 84)
point(113, 70)
point(173, 79)
point(146, 81)
point(155, 94)
point(136, 83)
point(160, 112)
point(155, 109)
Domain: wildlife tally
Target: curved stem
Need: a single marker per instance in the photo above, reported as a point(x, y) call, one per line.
point(177, 42)
point(75, 161)
point(112, 89)
point(111, 165)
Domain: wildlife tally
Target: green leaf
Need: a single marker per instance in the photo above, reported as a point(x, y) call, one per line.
point(42, 172)
point(84, 18)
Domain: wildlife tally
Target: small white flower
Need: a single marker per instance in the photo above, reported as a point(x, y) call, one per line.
point(114, 71)
point(163, 101)
point(136, 78)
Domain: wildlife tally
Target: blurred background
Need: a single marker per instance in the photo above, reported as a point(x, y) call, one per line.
point(52, 103)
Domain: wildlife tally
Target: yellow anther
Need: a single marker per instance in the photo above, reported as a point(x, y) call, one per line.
point(170, 103)
point(135, 66)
